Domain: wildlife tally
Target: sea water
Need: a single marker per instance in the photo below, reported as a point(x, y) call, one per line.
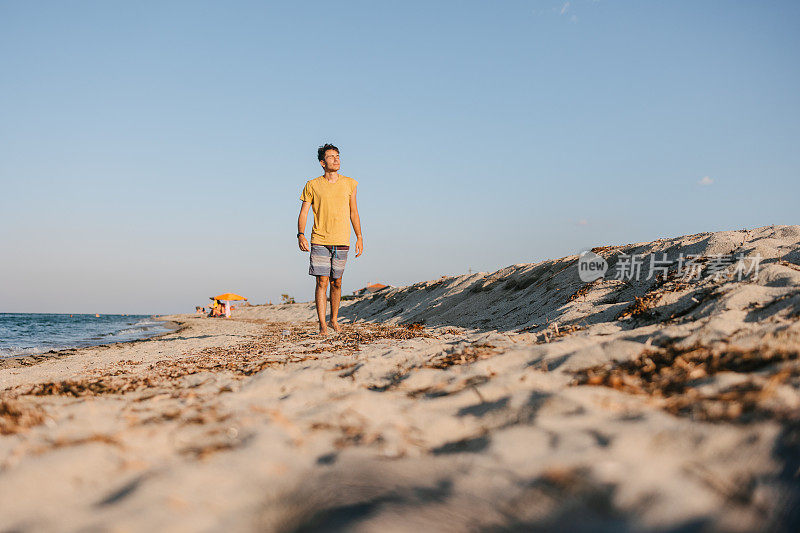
point(34, 333)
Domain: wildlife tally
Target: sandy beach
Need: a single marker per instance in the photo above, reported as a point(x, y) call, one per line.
point(519, 399)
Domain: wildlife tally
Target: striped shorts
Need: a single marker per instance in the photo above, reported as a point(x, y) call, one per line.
point(328, 260)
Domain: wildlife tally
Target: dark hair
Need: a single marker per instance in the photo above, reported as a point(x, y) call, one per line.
point(324, 148)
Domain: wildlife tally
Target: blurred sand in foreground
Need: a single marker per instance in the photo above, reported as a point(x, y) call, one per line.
point(519, 399)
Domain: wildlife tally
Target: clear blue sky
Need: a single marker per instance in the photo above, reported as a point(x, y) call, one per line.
point(152, 153)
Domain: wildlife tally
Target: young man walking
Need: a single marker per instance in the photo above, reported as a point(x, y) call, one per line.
point(332, 197)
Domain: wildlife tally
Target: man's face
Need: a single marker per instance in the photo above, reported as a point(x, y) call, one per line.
point(331, 162)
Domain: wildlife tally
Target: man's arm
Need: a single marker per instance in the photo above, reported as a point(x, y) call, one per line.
point(356, 221)
point(301, 226)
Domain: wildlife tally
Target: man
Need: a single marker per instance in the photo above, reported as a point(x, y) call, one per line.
point(332, 197)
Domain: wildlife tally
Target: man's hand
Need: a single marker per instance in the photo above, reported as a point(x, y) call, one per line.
point(301, 240)
point(359, 246)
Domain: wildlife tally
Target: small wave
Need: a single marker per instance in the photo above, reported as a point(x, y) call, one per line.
point(15, 351)
point(131, 331)
point(149, 322)
point(139, 328)
point(142, 332)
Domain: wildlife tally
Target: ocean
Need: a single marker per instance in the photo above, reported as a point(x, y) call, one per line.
point(34, 333)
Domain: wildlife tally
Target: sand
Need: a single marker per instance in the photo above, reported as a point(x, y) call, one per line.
point(519, 399)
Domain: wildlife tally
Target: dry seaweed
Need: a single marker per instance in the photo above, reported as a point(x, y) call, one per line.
point(641, 307)
point(785, 263)
point(243, 359)
point(468, 355)
point(90, 386)
point(600, 250)
point(17, 416)
point(673, 374)
point(556, 332)
point(582, 291)
point(351, 434)
point(63, 442)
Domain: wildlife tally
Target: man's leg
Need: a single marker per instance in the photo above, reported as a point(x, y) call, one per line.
point(336, 298)
point(320, 297)
point(338, 261)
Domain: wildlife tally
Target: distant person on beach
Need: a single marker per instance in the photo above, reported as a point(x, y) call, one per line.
point(332, 198)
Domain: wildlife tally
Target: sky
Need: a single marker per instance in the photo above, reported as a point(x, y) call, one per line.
point(152, 153)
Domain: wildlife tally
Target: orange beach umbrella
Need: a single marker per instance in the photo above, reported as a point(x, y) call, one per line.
point(229, 296)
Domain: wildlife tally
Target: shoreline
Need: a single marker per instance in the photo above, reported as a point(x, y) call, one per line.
point(24, 360)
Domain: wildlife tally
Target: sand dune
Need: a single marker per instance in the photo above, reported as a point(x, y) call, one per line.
point(520, 399)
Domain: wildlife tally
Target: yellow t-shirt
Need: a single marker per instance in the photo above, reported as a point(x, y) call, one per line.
point(330, 203)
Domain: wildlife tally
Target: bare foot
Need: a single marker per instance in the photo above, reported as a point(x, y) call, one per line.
point(335, 325)
point(323, 330)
